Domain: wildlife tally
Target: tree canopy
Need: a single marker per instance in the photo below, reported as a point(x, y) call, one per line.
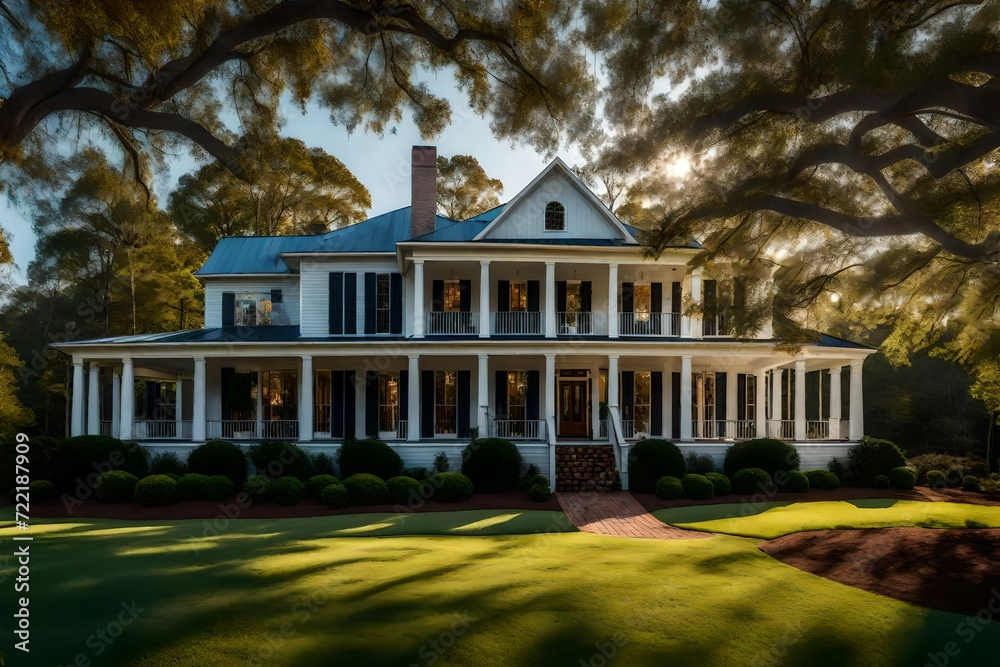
point(463, 188)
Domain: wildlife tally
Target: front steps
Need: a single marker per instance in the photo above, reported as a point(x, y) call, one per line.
point(586, 468)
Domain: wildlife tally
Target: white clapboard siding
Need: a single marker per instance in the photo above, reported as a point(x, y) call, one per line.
point(314, 278)
point(215, 287)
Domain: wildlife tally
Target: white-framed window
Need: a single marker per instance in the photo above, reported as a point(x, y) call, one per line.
point(280, 391)
point(750, 396)
point(388, 401)
point(445, 402)
point(252, 309)
point(322, 397)
point(642, 400)
point(642, 301)
point(555, 217)
point(519, 296)
point(452, 296)
point(382, 301)
point(517, 393)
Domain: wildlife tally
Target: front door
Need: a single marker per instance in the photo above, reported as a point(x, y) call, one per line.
point(574, 412)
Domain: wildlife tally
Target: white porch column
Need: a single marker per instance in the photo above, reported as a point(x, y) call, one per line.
point(760, 405)
point(613, 381)
point(777, 375)
point(93, 400)
point(179, 406)
point(550, 299)
point(612, 309)
point(732, 410)
point(305, 399)
point(550, 386)
point(76, 414)
point(696, 319)
point(686, 421)
point(418, 298)
point(483, 393)
point(413, 398)
point(800, 400)
point(835, 408)
point(857, 402)
point(198, 401)
point(116, 404)
point(259, 409)
point(484, 310)
point(668, 403)
point(128, 399)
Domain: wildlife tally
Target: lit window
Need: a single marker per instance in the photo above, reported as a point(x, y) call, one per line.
point(445, 402)
point(519, 296)
point(388, 401)
point(643, 385)
point(382, 303)
point(452, 296)
point(555, 217)
point(517, 392)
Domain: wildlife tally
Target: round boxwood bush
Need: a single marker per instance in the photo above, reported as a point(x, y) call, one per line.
point(81, 458)
point(651, 459)
point(752, 480)
point(971, 483)
point(936, 479)
point(257, 488)
point(697, 487)
point(41, 490)
point(540, 492)
point(451, 487)
point(402, 489)
point(373, 457)
point(767, 454)
point(316, 484)
point(529, 481)
point(288, 490)
point(872, 457)
point(721, 483)
point(277, 458)
point(795, 482)
point(365, 489)
point(493, 464)
point(218, 457)
point(156, 490)
point(116, 486)
point(823, 480)
point(881, 482)
point(167, 463)
point(334, 495)
point(219, 487)
point(902, 478)
point(669, 487)
point(192, 486)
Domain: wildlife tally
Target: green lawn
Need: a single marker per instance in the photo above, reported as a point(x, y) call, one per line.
point(779, 519)
point(297, 592)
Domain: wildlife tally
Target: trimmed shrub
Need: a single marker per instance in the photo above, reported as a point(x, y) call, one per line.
point(257, 488)
point(277, 458)
point(767, 454)
point(529, 481)
point(441, 463)
point(839, 468)
point(700, 464)
point(964, 465)
point(41, 490)
point(872, 457)
point(334, 495)
point(289, 490)
point(373, 457)
point(752, 480)
point(651, 459)
point(990, 486)
point(167, 463)
point(419, 473)
point(971, 483)
point(156, 490)
point(316, 484)
point(881, 482)
point(365, 489)
point(115, 486)
point(192, 486)
point(823, 480)
point(697, 487)
point(669, 487)
point(794, 482)
point(219, 487)
point(402, 489)
point(85, 456)
point(935, 479)
point(902, 478)
point(540, 492)
point(219, 457)
point(493, 464)
point(721, 483)
point(323, 465)
point(953, 476)
point(451, 487)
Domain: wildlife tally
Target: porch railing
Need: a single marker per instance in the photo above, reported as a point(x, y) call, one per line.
point(633, 428)
point(519, 429)
point(106, 427)
point(649, 324)
point(713, 325)
point(155, 429)
point(782, 429)
point(818, 430)
point(518, 323)
point(251, 429)
point(725, 429)
point(402, 429)
point(582, 324)
point(452, 323)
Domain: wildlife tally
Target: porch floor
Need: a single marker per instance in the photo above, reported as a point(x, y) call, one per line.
point(618, 514)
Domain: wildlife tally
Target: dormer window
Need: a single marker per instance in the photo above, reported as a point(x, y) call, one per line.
point(555, 217)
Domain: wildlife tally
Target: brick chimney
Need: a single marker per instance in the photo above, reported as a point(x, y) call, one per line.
point(423, 194)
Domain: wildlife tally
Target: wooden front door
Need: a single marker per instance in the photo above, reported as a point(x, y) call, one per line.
point(574, 411)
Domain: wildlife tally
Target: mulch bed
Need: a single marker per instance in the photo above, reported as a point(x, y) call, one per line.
point(203, 509)
point(958, 496)
point(950, 570)
point(652, 503)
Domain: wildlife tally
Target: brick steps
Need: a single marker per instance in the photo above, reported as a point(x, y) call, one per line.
point(586, 468)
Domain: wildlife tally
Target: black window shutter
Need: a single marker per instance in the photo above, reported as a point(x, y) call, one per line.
point(561, 296)
point(337, 404)
point(503, 296)
point(532, 397)
point(350, 303)
point(720, 396)
point(741, 397)
point(586, 296)
point(710, 298)
point(628, 394)
point(465, 296)
point(350, 405)
point(656, 297)
point(369, 303)
point(675, 297)
point(336, 303)
point(463, 407)
point(404, 395)
point(426, 404)
point(628, 297)
point(228, 309)
point(533, 292)
point(276, 296)
point(656, 398)
point(152, 389)
point(371, 403)
point(437, 295)
point(396, 303)
point(500, 394)
point(226, 377)
point(675, 403)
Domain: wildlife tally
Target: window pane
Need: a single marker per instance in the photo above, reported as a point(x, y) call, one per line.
point(452, 296)
point(555, 217)
point(642, 298)
point(519, 296)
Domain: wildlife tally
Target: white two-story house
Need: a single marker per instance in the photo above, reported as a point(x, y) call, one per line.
point(542, 321)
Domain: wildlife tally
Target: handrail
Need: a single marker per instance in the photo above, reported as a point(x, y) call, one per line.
point(615, 433)
point(550, 438)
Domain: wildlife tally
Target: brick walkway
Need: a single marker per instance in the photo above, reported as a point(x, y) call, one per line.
point(619, 514)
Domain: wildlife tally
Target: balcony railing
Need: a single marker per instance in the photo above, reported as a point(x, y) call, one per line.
point(452, 323)
point(713, 325)
point(725, 429)
point(251, 429)
point(156, 429)
point(649, 324)
point(782, 429)
point(582, 324)
point(519, 429)
point(518, 323)
point(818, 430)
